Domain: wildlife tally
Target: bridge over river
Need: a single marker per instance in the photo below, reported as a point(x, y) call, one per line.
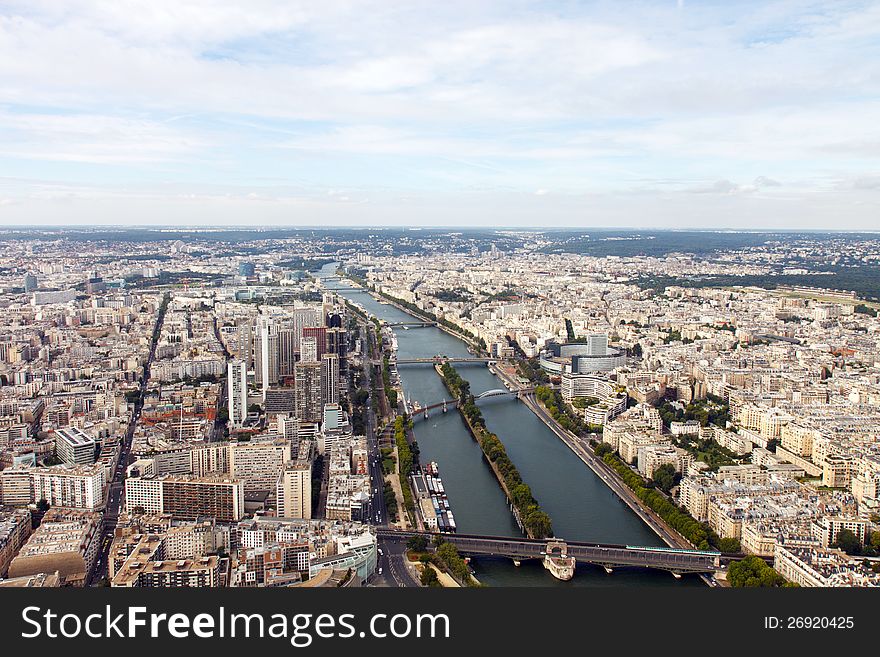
point(410, 325)
point(675, 560)
point(439, 360)
point(424, 412)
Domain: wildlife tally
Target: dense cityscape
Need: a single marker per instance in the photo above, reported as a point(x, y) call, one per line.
point(404, 408)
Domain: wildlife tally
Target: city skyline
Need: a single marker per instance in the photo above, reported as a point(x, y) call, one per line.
point(744, 116)
point(318, 408)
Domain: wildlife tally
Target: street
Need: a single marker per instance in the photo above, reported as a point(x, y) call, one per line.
point(115, 489)
point(377, 513)
point(392, 563)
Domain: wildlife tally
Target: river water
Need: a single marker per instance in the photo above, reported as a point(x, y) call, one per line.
point(579, 504)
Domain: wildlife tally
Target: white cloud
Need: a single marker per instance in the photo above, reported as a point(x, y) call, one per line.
point(92, 138)
point(432, 97)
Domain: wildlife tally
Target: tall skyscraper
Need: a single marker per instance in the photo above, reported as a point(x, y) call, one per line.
point(266, 353)
point(337, 343)
point(236, 380)
point(245, 343)
point(329, 379)
point(288, 347)
point(303, 318)
point(308, 391)
point(319, 333)
point(309, 350)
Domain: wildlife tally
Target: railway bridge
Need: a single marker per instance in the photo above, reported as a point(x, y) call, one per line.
point(675, 560)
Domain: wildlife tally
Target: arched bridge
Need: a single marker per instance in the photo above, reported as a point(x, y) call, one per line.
point(500, 392)
point(675, 560)
point(424, 412)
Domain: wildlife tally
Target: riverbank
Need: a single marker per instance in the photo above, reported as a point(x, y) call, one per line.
point(608, 476)
point(525, 508)
point(416, 312)
point(582, 506)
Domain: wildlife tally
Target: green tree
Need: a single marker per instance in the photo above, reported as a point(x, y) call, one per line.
point(665, 477)
point(429, 577)
point(417, 544)
point(602, 449)
point(753, 572)
point(848, 542)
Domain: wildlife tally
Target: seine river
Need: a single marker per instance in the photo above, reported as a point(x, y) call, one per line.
point(579, 504)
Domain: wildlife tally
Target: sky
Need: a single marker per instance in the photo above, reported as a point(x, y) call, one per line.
point(664, 114)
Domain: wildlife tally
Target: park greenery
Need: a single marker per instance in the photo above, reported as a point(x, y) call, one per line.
point(674, 335)
point(445, 556)
point(429, 577)
point(531, 369)
point(708, 451)
point(536, 522)
point(862, 280)
point(390, 501)
point(455, 564)
point(711, 410)
point(560, 411)
point(388, 460)
point(417, 543)
point(753, 572)
point(305, 264)
point(458, 294)
point(405, 460)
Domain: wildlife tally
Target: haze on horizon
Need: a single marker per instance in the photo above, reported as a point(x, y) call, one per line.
point(664, 114)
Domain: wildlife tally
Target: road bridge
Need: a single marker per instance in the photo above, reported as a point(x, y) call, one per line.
point(674, 560)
